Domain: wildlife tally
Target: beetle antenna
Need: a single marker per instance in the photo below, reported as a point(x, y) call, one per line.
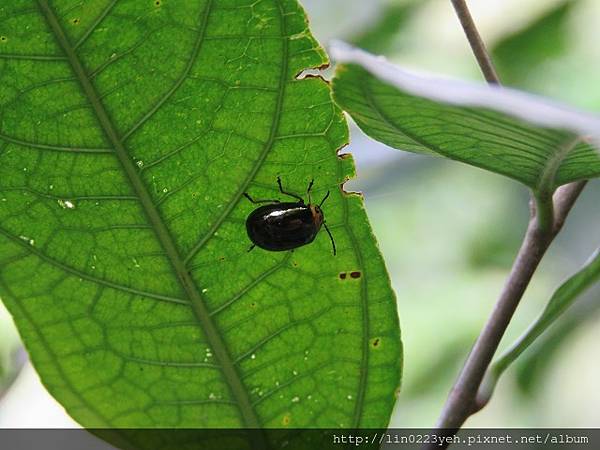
point(300, 199)
point(330, 237)
point(324, 198)
point(310, 185)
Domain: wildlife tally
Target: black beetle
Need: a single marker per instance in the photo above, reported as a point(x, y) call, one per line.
point(281, 226)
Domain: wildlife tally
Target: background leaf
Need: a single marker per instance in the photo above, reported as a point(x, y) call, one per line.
point(541, 158)
point(381, 34)
point(129, 132)
point(532, 48)
point(562, 299)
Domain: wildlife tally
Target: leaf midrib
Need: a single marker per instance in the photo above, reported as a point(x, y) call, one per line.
point(547, 178)
point(162, 233)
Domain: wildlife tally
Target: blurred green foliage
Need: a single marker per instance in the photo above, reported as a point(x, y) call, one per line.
point(9, 345)
point(382, 35)
point(528, 50)
point(555, 54)
point(569, 292)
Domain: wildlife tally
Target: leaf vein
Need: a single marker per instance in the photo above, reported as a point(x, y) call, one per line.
point(162, 233)
point(87, 277)
point(58, 148)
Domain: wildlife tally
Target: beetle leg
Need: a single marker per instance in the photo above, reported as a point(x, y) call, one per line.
point(330, 237)
point(310, 185)
point(259, 201)
point(300, 199)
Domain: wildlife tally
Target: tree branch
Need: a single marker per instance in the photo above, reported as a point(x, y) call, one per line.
point(477, 45)
point(563, 200)
point(460, 402)
point(548, 216)
point(464, 399)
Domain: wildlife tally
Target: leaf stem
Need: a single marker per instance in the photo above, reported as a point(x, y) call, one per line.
point(543, 212)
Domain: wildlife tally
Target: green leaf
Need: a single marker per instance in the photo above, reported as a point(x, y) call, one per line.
point(533, 366)
point(530, 48)
point(529, 139)
point(380, 36)
point(130, 131)
point(562, 299)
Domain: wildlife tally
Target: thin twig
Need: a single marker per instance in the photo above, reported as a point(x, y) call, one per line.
point(462, 402)
point(564, 199)
point(548, 216)
point(477, 45)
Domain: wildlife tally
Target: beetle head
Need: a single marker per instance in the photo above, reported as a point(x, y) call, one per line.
point(317, 214)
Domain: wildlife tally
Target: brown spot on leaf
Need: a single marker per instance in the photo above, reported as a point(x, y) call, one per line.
point(355, 274)
point(376, 342)
point(76, 21)
point(342, 275)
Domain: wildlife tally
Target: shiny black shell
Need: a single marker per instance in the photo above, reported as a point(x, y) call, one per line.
point(284, 226)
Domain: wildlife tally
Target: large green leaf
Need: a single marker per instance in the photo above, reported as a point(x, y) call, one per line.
point(563, 298)
point(491, 128)
point(130, 131)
